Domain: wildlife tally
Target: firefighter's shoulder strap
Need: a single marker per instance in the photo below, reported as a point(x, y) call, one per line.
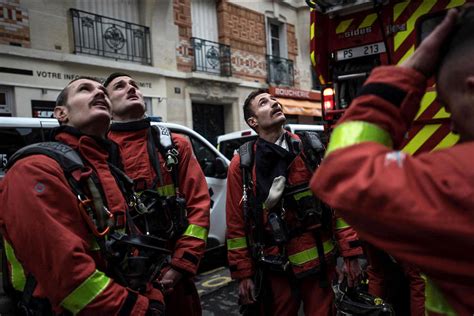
point(313, 149)
point(69, 160)
point(159, 137)
point(251, 212)
point(65, 156)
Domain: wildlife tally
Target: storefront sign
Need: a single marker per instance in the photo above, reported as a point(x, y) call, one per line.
point(294, 93)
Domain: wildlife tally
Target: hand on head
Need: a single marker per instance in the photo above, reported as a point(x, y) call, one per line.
point(427, 56)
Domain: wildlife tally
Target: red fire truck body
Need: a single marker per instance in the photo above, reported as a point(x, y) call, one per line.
point(350, 38)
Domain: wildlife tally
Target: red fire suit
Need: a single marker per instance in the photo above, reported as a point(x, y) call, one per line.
point(301, 249)
point(132, 139)
point(418, 209)
point(385, 280)
point(41, 223)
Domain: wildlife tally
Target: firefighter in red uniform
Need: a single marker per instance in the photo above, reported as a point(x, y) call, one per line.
point(285, 261)
point(418, 209)
point(48, 244)
point(133, 134)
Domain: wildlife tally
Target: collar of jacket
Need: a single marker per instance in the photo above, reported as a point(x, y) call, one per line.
point(75, 138)
point(130, 126)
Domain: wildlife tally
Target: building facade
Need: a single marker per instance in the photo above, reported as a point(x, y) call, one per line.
point(195, 60)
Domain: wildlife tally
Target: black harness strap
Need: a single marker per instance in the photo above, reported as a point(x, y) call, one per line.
point(126, 309)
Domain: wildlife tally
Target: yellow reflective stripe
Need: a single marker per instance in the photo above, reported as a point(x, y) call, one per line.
point(310, 254)
point(303, 194)
point(18, 278)
point(441, 114)
point(368, 20)
point(313, 61)
point(420, 138)
point(86, 292)
point(455, 3)
point(166, 190)
point(236, 243)
point(340, 223)
point(352, 133)
point(311, 31)
point(424, 8)
point(428, 98)
point(321, 80)
point(94, 245)
point(398, 9)
point(448, 141)
point(196, 232)
point(409, 52)
point(435, 301)
point(343, 26)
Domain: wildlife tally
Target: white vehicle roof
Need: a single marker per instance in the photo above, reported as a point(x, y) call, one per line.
point(250, 132)
point(230, 142)
point(28, 122)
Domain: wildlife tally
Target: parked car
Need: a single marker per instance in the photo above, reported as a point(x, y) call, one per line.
point(16, 132)
point(228, 143)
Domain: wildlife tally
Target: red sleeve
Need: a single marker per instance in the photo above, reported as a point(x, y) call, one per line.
point(347, 239)
point(192, 184)
point(238, 254)
point(415, 208)
point(40, 219)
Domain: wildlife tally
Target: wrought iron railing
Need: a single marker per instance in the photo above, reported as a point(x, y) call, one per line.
point(107, 37)
point(280, 71)
point(211, 57)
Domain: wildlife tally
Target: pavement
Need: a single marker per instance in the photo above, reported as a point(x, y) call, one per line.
point(218, 293)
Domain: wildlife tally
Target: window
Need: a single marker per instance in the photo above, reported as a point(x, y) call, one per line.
point(6, 101)
point(43, 109)
point(428, 24)
point(276, 38)
point(229, 147)
point(12, 139)
point(206, 157)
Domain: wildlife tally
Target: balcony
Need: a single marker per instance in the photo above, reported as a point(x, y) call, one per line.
point(111, 38)
point(280, 71)
point(211, 57)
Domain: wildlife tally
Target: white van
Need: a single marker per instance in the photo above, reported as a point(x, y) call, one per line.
point(16, 132)
point(228, 143)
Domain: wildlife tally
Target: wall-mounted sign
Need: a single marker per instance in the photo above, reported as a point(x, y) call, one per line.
point(294, 93)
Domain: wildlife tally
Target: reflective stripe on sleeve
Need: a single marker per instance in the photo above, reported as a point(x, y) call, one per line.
point(196, 232)
point(340, 223)
point(86, 292)
point(17, 277)
point(303, 194)
point(435, 301)
point(236, 243)
point(310, 254)
point(166, 190)
point(352, 133)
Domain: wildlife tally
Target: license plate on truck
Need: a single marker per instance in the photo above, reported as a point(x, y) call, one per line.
point(361, 51)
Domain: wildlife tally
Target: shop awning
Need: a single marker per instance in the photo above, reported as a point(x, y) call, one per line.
point(300, 107)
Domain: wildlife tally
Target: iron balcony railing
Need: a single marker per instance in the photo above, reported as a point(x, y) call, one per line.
point(107, 37)
point(280, 71)
point(211, 57)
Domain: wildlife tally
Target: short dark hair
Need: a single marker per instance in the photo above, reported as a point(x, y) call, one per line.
point(62, 97)
point(246, 107)
point(114, 75)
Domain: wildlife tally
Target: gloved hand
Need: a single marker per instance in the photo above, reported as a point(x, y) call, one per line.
point(352, 270)
point(169, 279)
point(426, 57)
point(156, 305)
point(246, 291)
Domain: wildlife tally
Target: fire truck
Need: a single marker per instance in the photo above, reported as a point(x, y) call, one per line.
point(351, 37)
